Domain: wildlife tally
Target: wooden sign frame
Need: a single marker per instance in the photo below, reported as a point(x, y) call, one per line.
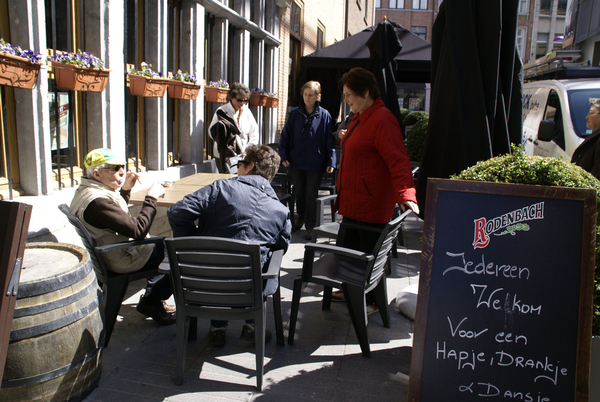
point(459, 205)
point(14, 224)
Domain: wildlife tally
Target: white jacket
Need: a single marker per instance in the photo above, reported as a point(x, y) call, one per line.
point(247, 126)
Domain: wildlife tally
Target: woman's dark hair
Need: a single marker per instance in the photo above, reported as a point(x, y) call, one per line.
point(238, 89)
point(266, 160)
point(359, 81)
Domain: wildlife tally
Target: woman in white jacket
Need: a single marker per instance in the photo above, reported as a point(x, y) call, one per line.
point(233, 128)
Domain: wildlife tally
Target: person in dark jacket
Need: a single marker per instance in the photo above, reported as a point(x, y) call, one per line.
point(307, 149)
point(244, 208)
point(587, 154)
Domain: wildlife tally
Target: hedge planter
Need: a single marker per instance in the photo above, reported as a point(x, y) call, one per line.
point(272, 101)
point(17, 71)
point(77, 78)
point(147, 87)
point(258, 100)
point(215, 94)
point(183, 90)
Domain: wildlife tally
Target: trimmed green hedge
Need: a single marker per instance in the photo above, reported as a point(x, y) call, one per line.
point(414, 117)
point(521, 169)
point(416, 139)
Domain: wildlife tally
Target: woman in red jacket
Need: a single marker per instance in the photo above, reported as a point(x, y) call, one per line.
point(375, 172)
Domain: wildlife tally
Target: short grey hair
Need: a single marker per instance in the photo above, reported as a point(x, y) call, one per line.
point(89, 172)
point(595, 102)
point(266, 160)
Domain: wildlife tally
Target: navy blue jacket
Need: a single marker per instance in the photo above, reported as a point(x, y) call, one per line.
point(244, 208)
point(307, 141)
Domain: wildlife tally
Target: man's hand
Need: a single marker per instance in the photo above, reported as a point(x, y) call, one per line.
point(329, 169)
point(156, 190)
point(286, 163)
point(130, 181)
point(342, 133)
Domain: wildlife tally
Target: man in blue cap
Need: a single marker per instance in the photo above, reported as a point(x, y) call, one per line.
point(100, 203)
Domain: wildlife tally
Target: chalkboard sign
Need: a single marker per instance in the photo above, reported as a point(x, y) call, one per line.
point(504, 309)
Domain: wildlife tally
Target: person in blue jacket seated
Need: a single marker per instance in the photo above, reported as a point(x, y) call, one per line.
point(307, 150)
point(244, 208)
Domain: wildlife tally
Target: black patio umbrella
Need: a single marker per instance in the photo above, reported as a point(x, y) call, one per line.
point(384, 45)
point(327, 65)
point(476, 90)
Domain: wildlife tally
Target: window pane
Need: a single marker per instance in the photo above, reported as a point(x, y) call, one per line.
point(419, 5)
point(545, 6)
point(377, 3)
point(543, 37)
point(421, 32)
point(562, 7)
point(392, 4)
point(295, 18)
point(523, 7)
point(521, 41)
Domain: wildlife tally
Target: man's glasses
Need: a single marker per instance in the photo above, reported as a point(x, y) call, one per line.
point(243, 162)
point(241, 100)
point(115, 168)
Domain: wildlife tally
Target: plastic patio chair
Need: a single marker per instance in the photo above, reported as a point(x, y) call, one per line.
point(221, 279)
point(355, 272)
point(114, 285)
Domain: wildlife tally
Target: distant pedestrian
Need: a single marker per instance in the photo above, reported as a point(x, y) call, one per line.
point(587, 154)
point(307, 149)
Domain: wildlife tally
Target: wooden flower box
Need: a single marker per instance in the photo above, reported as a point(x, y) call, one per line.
point(272, 101)
point(147, 87)
point(258, 99)
point(69, 76)
point(183, 90)
point(215, 94)
point(17, 71)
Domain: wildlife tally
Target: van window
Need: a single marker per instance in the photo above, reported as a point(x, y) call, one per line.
point(579, 103)
point(554, 113)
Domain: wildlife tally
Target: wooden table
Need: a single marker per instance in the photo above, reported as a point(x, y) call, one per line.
point(180, 188)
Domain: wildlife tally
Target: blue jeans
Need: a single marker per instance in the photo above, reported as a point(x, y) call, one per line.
point(306, 189)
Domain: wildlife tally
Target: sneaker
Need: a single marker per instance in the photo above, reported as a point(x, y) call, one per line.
point(371, 308)
point(217, 336)
point(298, 225)
point(158, 312)
point(248, 334)
point(337, 296)
point(308, 235)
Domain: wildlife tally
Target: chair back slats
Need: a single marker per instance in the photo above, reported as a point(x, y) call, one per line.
point(88, 242)
point(382, 249)
point(216, 273)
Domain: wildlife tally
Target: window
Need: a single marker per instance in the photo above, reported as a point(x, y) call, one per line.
point(396, 4)
point(562, 7)
point(296, 18)
point(377, 3)
point(521, 35)
point(320, 35)
point(421, 32)
point(545, 7)
point(541, 45)
point(523, 6)
point(419, 5)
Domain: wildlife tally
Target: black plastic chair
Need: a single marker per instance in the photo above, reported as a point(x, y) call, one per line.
point(221, 279)
point(355, 272)
point(114, 285)
point(322, 228)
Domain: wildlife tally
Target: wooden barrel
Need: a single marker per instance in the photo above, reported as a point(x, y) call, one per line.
point(57, 335)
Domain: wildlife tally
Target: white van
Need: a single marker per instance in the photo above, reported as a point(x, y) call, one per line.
point(554, 114)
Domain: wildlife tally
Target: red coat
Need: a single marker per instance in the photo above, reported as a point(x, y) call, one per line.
point(375, 172)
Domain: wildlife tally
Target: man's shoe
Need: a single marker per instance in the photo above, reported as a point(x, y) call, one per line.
point(371, 308)
point(217, 336)
point(169, 308)
point(308, 235)
point(337, 296)
point(248, 334)
point(157, 312)
point(298, 225)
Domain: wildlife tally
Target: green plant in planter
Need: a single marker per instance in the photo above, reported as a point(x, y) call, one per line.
point(403, 113)
point(416, 140)
point(521, 169)
point(414, 117)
